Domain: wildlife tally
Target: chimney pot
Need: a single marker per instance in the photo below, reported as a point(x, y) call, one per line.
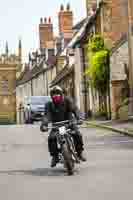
point(46, 36)
point(41, 20)
point(49, 20)
point(62, 7)
point(68, 7)
point(45, 20)
point(66, 22)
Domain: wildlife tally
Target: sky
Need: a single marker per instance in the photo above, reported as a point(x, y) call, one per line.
point(20, 19)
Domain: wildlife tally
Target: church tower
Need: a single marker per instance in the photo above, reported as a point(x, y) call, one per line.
point(20, 51)
point(6, 49)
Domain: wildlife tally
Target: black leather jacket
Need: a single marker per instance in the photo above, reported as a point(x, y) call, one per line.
point(63, 111)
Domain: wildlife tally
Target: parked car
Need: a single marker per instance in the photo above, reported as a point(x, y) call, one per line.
point(34, 108)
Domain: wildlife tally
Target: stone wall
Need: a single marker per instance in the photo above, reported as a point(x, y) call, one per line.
point(115, 19)
point(119, 59)
point(7, 93)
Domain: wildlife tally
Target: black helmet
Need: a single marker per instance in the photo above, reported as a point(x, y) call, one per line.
point(56, 90)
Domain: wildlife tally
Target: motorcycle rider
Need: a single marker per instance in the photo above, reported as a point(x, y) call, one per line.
point(61, 108)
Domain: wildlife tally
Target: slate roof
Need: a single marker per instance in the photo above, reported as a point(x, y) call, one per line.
point(77, 38)
point(28, 74)
point(63, 73)
point(119, 43)
point(80, 34)
point(82, 25)
point(79, 24)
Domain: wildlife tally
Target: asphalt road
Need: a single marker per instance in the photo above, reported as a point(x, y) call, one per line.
point(25, 173)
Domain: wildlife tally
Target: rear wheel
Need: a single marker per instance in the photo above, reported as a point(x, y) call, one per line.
point(68, 159)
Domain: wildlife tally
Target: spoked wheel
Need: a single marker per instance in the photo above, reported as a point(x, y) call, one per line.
point(69, 163)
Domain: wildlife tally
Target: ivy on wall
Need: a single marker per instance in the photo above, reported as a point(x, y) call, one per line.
point(98, 68)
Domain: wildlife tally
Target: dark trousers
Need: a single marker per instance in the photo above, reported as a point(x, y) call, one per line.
point(77, 137)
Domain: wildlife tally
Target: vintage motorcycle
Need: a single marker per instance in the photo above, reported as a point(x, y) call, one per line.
point(65, 143)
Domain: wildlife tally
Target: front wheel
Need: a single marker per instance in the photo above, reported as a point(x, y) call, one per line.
point(68, 161)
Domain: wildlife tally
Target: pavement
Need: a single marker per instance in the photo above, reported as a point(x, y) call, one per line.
point(120, 126)
point(25, 172)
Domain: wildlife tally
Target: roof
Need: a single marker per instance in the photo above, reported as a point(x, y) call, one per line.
point(76, 39)
point(88, 22)
point(28, 74)
point(81, 33)
point(24, 77)
point(63, 73)
point(79, 24)
point(119, 43)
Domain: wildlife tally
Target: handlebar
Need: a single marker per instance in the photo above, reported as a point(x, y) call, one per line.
point(56, 124)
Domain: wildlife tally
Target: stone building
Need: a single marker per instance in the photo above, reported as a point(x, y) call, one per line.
point(35, 80)
point(10, 67)
point(40, 69)
point(114, 27)
point(104, 17)
point(71, 63)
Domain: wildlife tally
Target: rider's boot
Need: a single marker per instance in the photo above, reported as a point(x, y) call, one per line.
point(81, 157)
point(54, 161)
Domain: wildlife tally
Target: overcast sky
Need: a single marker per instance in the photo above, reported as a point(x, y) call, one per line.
point(20, 19)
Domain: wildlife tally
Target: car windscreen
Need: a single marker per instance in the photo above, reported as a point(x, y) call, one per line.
point(39, 100)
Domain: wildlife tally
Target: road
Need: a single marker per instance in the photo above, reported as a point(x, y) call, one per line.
point(25, 173)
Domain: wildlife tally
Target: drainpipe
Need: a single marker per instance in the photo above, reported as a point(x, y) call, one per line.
point(109, 93)
point(44, 83)
point(47, 80)
point(31, 87)
point(85, 84)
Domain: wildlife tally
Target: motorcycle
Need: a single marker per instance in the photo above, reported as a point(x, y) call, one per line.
point(65, 143)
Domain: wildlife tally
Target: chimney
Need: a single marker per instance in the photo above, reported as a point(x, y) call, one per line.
point(46, 33)
point(65, 21)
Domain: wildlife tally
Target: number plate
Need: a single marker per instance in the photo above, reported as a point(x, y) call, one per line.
point(62, 130)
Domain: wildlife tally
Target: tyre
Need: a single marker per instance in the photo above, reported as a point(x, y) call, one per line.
point(31, 121)
point(69, 164)
point(27, 118)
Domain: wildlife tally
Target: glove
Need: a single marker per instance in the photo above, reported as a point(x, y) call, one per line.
point(43, 128)
point(80, 122)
